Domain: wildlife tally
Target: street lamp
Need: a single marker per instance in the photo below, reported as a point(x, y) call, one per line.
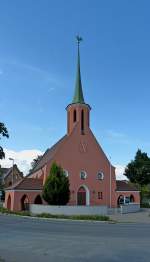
point(110, 181)
point(12, 169)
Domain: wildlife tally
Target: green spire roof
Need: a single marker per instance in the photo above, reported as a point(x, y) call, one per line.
point(78, 94)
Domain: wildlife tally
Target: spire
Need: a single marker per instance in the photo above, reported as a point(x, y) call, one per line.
point(78, 95)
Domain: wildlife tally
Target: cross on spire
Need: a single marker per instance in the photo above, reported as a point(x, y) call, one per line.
point(79, 39)
point(78, 95)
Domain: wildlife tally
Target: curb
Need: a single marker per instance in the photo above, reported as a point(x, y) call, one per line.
point(59, 219)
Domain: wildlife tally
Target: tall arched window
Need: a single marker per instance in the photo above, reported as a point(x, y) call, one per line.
point(82, 121)
point(74, 116)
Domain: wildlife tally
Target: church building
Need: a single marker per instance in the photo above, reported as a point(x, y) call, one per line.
point(91, 175)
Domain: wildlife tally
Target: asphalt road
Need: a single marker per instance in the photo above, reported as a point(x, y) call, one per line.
point(25, 239)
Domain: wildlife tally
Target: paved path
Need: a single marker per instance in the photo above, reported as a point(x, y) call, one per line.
point(25, 239)
point(140, 217)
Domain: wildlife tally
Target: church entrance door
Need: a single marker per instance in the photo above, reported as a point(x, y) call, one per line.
point(81, 196)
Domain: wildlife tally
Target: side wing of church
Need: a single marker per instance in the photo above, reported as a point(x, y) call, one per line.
point(91, 175)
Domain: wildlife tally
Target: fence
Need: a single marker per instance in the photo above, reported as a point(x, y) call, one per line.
point(129, 208)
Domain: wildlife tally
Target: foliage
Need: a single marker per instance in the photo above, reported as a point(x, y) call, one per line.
point(1, 184)
point(56, 189)
point(19, 213)
point(145, 205)
point(76, 217)
point(34, 162)
point(47, 215)
point(3, 133)
point(138, 170)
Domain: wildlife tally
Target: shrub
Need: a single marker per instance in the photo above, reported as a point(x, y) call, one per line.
point(56, 189)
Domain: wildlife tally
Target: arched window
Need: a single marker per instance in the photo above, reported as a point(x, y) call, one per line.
point(74, 115)
point(83, 175)
point(82, 121)
point(38, 200)
point(120, 200)
point(131, 198)
point(25, 203)
point(9, 202)
point(66, 173)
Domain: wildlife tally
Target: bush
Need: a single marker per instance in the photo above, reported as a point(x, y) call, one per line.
point(56, 188)
point(76, 217)
point(145, 205)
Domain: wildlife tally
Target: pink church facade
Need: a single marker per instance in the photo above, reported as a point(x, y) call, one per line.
point(91, 175)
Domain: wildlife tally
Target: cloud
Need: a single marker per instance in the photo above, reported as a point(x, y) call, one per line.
point(119, 172)
point(114, 134)
point(22, 158)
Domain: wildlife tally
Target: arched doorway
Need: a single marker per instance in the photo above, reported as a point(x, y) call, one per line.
point(9, 202)
point(38, 200)
point(120, 200)
point(25, 203)
point(83, 196)
point(131, 198)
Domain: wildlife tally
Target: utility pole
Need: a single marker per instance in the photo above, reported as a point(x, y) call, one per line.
point(12, 169)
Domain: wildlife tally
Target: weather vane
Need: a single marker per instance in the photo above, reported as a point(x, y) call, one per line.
point(79, 39)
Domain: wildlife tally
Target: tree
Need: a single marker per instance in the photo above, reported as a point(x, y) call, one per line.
point(138, 170)
point(56, 189)
point(3, 133)
point(34, 162)
point(2, 185)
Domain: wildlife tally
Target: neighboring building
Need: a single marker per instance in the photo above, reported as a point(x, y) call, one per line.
point(91, 175)
point(10, 176)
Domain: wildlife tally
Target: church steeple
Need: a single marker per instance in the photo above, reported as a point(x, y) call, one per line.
point(78, 112)
point(78, 94)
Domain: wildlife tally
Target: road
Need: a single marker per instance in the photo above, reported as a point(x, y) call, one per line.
point(27, 239)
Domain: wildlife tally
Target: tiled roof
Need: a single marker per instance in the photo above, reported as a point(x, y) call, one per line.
point(48, 155)
point(125, 186)
point(7, 171)
point(28, 184)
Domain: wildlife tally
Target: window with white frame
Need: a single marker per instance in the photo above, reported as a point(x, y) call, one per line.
point(100, 176)
point(66, 173)
point(83, 175)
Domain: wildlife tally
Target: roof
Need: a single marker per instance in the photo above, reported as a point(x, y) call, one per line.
point(78, 95)
point(125, 186)
point(28, 183)
point(7, 171)
point(4, 171)
point(48, 155)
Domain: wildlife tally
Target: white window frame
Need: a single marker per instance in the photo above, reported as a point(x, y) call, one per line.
point(85, 175)
point(102, 174)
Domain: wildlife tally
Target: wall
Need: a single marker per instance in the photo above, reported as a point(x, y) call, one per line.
point(68, 210)
point(130, 208)
point(17, 176)
point(136, 195)
point(82, 152)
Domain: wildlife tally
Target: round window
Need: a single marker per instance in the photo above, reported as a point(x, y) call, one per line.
point(66, 173)
point(100, 176)
point(83, 175)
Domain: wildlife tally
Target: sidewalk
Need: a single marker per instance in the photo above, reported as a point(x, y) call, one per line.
point(139, 217)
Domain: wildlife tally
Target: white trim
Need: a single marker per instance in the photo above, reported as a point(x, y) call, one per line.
point(82, 171)
point(128, 191)
point(87, 195)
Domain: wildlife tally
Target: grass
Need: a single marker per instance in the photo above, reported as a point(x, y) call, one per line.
point(47, 215)
point(76, 217)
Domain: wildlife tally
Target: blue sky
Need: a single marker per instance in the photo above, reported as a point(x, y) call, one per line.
point(38, 67)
